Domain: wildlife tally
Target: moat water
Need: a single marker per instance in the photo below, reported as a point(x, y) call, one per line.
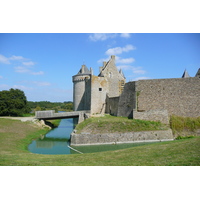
point(56, 141)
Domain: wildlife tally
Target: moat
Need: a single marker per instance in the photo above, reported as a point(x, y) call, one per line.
point(57, 141)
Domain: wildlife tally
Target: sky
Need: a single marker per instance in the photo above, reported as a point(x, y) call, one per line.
point(42, 64)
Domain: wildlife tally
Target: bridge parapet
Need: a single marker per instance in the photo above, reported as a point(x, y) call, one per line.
point(50, 114)
point(44, 114)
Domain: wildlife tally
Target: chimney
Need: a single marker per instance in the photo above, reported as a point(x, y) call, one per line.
point(91, 70)
point(83, 69)
point(113, 57)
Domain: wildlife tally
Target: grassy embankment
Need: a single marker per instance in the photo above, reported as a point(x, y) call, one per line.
point(111, 124)
point(16, 135)
point(183, 127)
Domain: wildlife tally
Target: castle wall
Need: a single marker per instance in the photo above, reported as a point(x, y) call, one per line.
point(179, 96)
point(152, 115)
point(117, 138)
point(127, 100)
point(99, 89)
point(112, 105)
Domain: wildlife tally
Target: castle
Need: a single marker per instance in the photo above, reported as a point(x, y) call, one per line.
point(150, 99)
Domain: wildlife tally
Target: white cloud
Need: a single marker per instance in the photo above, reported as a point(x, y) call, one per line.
point(4, 60)
point(138, 70)
point(104, 59)
point(16, 58)
point(101, 36)
point(22, 87)
point(135, 70)
point(120, 50)
point(104, 36)
point(124, 67)
point(124, 60)
point(4, 86)
point(37, 73)
point(28, 63)
point(26, 69)
point(141, 78)
point(21, 69)
point(125, 35)
point(118, 60)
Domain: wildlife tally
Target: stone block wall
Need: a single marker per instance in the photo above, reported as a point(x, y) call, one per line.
point(152, 115)
point(179, 96)
point(99, 90)
point(130, 137)
point(112, 105)
point(127, 100)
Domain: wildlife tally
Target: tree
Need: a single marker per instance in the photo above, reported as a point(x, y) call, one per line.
point(13, 103)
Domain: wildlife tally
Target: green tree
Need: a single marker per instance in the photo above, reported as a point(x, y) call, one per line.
point(13, 103)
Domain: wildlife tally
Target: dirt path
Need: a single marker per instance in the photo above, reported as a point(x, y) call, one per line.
point(23, 119)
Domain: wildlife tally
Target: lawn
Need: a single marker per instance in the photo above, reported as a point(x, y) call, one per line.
point(16, 135)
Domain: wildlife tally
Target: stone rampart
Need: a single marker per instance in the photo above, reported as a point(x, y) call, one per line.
point(113, 138)
point(179, 96)
point(152, 115)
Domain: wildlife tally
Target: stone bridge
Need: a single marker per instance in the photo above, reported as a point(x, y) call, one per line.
point(50, 114)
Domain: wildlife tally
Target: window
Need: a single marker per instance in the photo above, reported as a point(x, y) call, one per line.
point(100, 89)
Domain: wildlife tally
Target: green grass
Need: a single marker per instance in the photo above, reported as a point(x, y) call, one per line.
point(184, 124)
point(111, 124)
point(28, 115)
point(16, 135)
point(53, 123)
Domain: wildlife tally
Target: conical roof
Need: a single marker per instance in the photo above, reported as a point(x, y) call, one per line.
point(185, 74)
point(198, 73)
point(84, 70)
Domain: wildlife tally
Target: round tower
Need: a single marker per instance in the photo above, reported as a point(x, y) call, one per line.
point(80, 97)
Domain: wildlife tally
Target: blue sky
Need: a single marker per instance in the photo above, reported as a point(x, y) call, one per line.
point(42, 64)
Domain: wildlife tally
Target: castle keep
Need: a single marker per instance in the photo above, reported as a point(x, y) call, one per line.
point(91, 92)
point(154, 99)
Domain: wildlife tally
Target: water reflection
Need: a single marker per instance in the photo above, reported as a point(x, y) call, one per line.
point(55, 141)
point(107, 147)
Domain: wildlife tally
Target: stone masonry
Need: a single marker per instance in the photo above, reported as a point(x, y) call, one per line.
point(154, 99)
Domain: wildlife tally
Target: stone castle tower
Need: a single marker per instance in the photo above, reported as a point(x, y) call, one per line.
point(91, 92)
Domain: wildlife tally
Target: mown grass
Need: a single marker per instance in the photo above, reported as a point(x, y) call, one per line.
point(112, 124)
point(16, 135)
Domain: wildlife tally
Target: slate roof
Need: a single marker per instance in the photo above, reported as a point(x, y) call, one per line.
point(198, 73)
point(84, 70)
point(185, 74)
